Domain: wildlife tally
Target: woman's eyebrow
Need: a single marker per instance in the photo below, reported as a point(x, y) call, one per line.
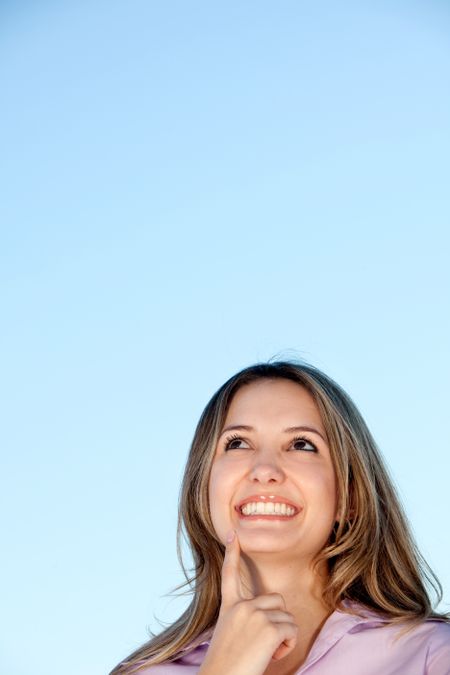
point(289, 430)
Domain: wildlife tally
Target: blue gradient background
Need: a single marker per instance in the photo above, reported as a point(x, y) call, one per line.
point(188, 188)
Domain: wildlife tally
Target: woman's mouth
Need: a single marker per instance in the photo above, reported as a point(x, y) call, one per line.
point(266, 511)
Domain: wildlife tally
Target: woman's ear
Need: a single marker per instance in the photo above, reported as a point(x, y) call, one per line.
point(340, 516)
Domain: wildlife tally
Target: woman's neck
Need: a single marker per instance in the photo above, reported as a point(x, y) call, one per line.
point(295, 580)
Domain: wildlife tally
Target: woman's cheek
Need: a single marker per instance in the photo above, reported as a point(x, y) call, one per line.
point(217, 502)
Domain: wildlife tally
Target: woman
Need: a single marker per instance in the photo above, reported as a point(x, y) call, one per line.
point(304, 561)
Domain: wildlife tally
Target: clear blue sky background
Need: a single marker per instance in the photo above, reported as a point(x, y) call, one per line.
point(187, 188)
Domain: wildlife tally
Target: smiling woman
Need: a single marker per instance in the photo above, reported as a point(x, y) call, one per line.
point(270, 461)
point(304, 561)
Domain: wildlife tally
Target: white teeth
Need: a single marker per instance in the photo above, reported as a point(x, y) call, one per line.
point(267, 508)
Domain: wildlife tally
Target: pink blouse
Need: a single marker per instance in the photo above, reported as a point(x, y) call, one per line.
point(352, 645)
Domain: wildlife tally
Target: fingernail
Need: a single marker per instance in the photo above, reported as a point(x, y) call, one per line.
point(230, 536)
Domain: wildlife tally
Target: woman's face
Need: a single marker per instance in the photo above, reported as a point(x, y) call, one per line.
point(272, 460)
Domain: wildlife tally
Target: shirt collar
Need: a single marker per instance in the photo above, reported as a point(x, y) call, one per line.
point(338, 624)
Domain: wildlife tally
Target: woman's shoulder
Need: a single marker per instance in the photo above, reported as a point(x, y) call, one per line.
point(438, 633)
point(188, 662)
point(430, 637)
point(438, 647)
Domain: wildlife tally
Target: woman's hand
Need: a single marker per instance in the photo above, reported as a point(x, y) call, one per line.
point(249, 632)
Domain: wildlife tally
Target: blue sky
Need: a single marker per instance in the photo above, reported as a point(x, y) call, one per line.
point(188, 188)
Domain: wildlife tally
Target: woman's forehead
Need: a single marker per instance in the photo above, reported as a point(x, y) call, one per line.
point(269, 399)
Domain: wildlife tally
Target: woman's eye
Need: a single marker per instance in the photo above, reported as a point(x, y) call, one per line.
point(302, 442)
point(233, 443)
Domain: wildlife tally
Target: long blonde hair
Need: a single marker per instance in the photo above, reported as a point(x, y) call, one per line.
point(371, 554)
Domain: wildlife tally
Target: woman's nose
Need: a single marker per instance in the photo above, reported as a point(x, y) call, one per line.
point(266, 470)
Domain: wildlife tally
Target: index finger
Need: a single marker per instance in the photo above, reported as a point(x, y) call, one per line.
point(231, 578)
